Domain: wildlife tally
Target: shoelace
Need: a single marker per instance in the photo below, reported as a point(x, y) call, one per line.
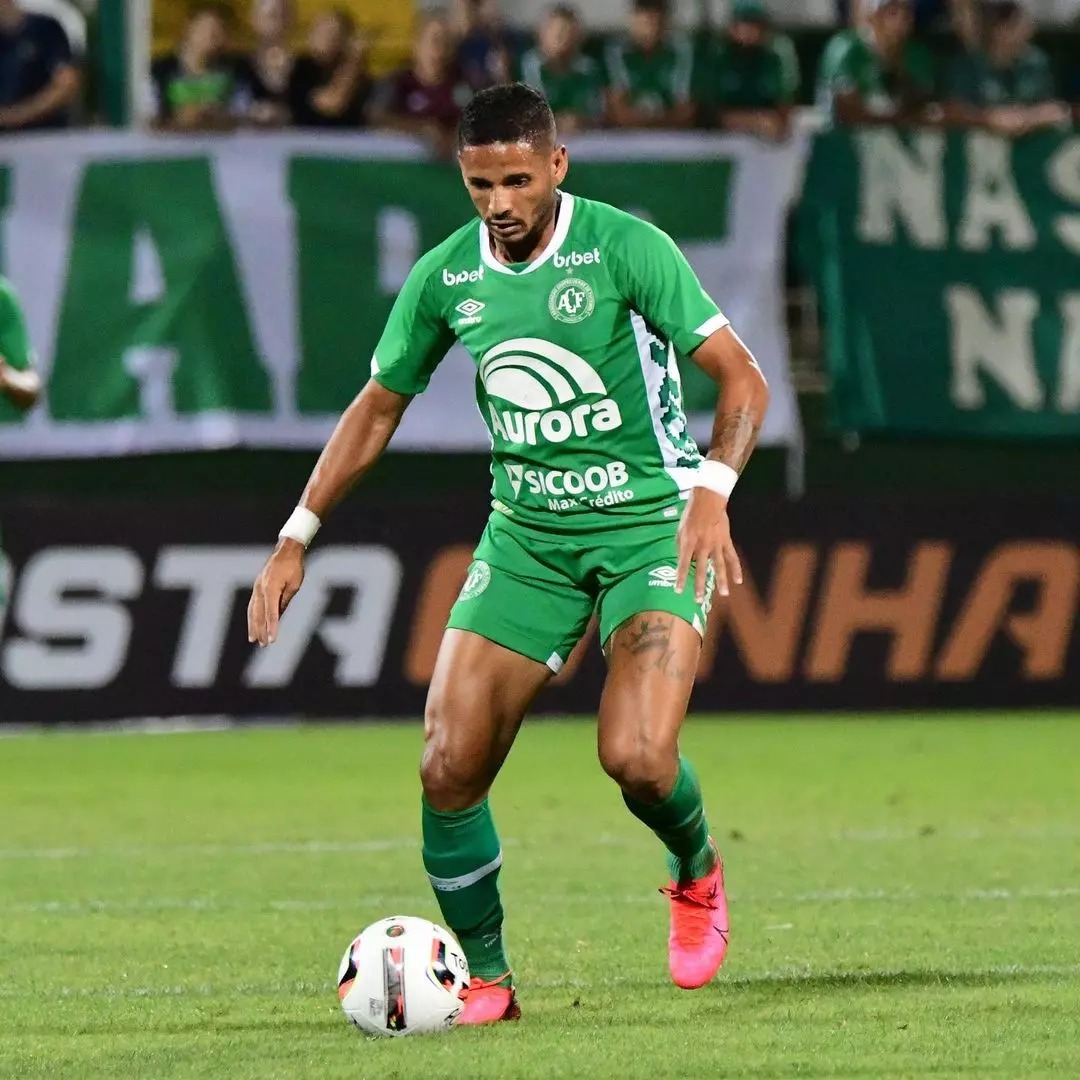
point(694, 913)
point(476, 983)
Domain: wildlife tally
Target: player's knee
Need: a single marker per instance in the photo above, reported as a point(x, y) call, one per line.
point(449, 780)
point(641, 768)
point(452, 778)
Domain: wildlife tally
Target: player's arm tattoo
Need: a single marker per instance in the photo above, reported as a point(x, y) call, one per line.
point(735, 437)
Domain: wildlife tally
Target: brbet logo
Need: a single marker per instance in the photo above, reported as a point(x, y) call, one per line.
point(575, 258)
point(466, 277)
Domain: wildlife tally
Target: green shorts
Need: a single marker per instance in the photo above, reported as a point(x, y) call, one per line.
point(534, 593)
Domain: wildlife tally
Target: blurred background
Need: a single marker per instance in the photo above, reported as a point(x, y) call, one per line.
point(207, 211)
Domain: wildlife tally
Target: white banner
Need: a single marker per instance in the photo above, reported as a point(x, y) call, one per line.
point(203, 293)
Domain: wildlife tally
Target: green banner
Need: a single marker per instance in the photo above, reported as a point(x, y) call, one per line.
point(948, 271)
point(209, 292)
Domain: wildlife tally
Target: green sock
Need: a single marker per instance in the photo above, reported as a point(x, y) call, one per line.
point(462, 857)
point(679, 821)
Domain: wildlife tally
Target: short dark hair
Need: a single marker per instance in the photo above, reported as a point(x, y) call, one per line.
point(998, 12)
point(564, 11)
point(659, 6)
point(513, 112)
point(343, 17)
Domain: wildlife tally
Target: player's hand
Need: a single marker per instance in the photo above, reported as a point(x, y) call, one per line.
point(275, 587)
point(705, 536)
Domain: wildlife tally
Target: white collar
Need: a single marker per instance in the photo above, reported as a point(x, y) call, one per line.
point(558, 238)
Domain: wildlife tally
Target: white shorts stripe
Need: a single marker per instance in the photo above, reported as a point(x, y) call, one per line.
point(453, 884)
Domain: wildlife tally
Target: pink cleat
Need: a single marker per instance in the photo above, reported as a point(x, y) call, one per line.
point(490, 1002)
point(699, 927)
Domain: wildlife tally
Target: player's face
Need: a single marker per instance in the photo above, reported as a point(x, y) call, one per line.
point(1013, 35)
point(647, 29)
point(558, 37)
point(327, 41)
point(512, 186)
point(208, 36)
point(749, 33)
point(271, 19)
point(433, 44)
point(894, 23)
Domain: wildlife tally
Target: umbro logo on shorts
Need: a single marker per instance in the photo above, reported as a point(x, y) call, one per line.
point(663, 577)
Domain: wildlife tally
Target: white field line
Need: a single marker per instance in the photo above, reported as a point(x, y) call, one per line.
point(792, 976)
point(164, 851)
point(401, 901)
point(1052, 833)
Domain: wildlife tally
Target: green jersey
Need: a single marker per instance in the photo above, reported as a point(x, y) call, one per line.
point(578, 88)
point(656, 80)
point(852, 65)
point(14, 341)
point(761, 78)
point(1027, 81)
point(576, 359)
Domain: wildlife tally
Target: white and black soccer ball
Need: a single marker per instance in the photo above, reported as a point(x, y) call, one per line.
point(403, 976)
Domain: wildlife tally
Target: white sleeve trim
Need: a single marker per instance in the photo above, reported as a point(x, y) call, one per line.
point(710, 326)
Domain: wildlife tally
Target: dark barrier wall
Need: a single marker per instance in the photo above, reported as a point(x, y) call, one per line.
point(122, 610)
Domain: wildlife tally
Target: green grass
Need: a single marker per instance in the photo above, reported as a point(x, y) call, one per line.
point(905, 902)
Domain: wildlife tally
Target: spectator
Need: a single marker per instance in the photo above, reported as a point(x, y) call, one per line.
point(961, 15)
point(487, 49)
point(756, 74)
point(330, 87)
point(572, 82)
point(39, 79)
point(426, 99)
point(1007, 85)
point(268, 71)
point(650, 73)
point(876, 74)
point(198, 88)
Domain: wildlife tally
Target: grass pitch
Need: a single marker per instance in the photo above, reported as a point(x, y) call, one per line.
point(905, 902)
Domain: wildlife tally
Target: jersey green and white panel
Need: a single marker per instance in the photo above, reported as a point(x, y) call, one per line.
point(577, 362)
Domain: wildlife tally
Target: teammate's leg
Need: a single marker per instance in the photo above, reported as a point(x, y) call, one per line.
point(652, 660)
point(479, 694)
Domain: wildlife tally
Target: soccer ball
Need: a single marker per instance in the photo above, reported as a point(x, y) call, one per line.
point(403, 976)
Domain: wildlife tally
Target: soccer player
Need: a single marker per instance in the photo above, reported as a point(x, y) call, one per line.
point(575, 314)
point(20, 385)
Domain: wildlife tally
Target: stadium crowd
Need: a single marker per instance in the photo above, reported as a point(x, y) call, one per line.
point(744, 77)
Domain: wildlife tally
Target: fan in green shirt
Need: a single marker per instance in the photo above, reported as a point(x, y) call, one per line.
point(572, 82)
point(650, 72)
point(878, 74)
point(1007, 85)
point(19, 383)
point(755, 75)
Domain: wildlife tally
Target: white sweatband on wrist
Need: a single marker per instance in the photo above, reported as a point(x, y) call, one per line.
point(301, 526)
point(716, 476)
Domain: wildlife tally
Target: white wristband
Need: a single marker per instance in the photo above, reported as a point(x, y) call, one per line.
point(716, 476)
point(301, 526)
